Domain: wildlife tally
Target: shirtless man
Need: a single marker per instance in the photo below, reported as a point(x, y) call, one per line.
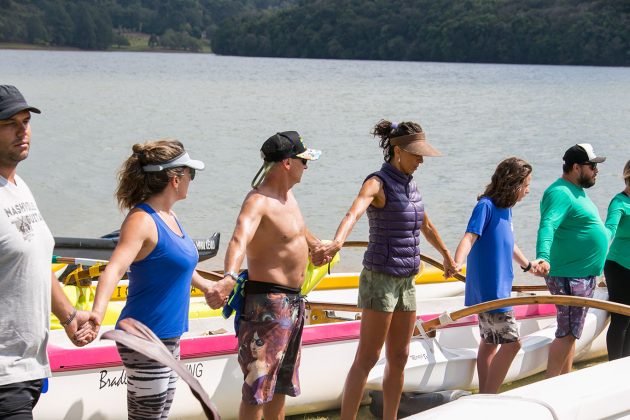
point(271, 232)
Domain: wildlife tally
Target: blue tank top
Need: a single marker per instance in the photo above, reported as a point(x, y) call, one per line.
point(159, 284)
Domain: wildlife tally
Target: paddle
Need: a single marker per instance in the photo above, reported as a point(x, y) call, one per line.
point(140, 338)
point(457, 276)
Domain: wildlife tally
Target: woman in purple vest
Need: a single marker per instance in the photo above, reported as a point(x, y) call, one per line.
point(386, 287)
point(161, 259)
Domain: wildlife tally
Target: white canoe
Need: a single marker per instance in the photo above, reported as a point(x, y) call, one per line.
point(89, 382)
point(449, 360)
point(597, 392)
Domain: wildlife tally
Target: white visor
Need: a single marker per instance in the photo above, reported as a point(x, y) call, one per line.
point(181, 160)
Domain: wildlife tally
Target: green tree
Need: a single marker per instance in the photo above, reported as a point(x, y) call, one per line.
point(37, 33)
point(58, 22)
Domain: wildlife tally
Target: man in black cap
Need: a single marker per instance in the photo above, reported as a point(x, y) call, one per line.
point(571, 247)
point(271, 232)
point(27, 284)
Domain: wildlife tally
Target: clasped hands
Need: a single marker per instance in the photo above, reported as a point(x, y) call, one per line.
point(82, 330)
point(324, 252)
point(540, 268)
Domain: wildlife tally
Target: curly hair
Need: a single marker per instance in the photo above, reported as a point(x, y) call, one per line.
point(386, 130)
point(135, 185)
point(507, 182)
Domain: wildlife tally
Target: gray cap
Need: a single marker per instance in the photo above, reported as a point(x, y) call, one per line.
point(12, 102)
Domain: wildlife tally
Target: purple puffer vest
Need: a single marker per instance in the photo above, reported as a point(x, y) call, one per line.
point(393, 246)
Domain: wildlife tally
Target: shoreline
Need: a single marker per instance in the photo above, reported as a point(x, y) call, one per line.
point(36, 47)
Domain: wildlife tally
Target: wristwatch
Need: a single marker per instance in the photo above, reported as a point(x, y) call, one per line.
point(231, 274)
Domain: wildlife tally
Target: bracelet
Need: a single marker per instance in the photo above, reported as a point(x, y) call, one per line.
point(70, 318)
point(231, 274)
point(529, 267)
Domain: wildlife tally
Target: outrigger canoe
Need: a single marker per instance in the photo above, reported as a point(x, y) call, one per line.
point(102, 248)
point(89, 382)
point(339, 288)
point(449, 361)
point(596, 392)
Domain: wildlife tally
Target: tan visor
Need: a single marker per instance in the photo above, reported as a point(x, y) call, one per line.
point(416, 144)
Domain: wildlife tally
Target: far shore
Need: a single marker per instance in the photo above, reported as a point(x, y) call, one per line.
point(136, 48)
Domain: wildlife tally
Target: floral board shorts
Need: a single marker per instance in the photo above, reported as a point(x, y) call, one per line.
point(498, 327)
point(386, 293)
point(571, 318)
point(269, 344)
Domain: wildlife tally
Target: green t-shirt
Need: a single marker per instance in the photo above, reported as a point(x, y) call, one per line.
point(618, 225)
point(571, 235)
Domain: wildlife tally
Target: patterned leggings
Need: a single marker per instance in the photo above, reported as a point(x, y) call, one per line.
point(150, 385)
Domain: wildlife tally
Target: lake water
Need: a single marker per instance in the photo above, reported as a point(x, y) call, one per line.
point(97, 104)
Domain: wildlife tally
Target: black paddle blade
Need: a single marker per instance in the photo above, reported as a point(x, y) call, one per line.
point(140, 338)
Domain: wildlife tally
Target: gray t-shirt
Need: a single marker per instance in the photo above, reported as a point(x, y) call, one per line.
point(26, 247)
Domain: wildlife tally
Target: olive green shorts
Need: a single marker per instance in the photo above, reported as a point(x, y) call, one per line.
point(386, 293)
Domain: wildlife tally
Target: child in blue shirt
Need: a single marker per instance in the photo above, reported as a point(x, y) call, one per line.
point(489, 245)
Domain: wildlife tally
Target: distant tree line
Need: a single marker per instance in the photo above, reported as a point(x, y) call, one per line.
point(586, 32)
point(100, 24)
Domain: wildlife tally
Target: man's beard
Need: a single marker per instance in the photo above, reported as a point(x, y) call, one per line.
point(586, 182)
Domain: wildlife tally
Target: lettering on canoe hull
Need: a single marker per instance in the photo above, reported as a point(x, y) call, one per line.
point(120, 292)
point(421, 356)
point(112, 379)
point(116, 378)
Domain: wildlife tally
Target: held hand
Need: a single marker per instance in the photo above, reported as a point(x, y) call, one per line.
point(536, 270)
point(318, 254)
point(450, 267)
point(217, 294)
point(459, 266)
point(323, 253)
point(81, 331)
point(95, 321)
point(540, 268)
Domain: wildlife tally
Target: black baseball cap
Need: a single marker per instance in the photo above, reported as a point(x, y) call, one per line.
point(287, 144)
point(12, 102)
point(581, 153)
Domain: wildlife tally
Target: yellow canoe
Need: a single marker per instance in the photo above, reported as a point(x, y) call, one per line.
point(83, 296)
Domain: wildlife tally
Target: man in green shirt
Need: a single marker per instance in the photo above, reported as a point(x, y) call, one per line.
point(571, 247)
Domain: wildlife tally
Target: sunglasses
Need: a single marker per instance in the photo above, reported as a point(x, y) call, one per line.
point(191, 171)
point(259, 342)
point(304, 161)
point(591, 164)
